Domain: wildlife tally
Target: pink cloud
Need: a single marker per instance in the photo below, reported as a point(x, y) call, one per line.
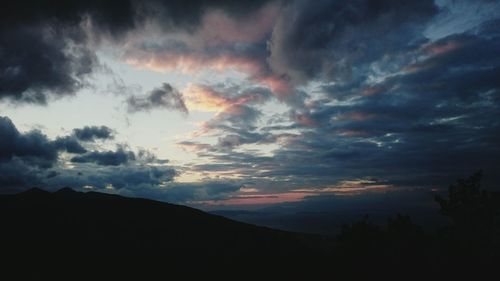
point(188, 61)
point(193, 61)
point(373, 90)
point(208, 99)
point(434, 49)
point(279, 86)
point(350, 187)
point(439, 48)
point(213, 46)
point(305, 120)
point(261, 199)
point(347, 187)
point(219, 28)
point(357, 116)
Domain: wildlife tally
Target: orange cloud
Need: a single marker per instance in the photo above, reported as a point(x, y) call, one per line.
point(349, 187)
point(203, 98)
point(261, 199)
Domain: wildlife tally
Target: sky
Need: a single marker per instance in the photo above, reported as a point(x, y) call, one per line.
point(250, 104)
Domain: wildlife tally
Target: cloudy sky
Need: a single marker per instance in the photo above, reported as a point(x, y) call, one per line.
point(248, 103)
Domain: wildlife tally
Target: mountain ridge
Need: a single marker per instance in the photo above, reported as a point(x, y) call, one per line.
point(72, 212)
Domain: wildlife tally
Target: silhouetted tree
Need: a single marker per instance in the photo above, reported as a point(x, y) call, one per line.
point(475, 217)
point(400, 245)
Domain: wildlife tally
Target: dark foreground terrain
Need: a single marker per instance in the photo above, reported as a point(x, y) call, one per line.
point(96, 232)
point(93, 235)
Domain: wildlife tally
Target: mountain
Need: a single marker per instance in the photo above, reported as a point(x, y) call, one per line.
point(75, 235)
point(83, 228)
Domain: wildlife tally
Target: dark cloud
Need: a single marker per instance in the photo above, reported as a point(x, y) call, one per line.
point(25, 157)
point(138, 179)
point(166, 97)
point(234, 137)
point(124, 177)
point(155, 182)
point(31, 159)
point(45, 48)
point(16, 174)
point(190, 192)
point(42, 60)
point(416, 127)
point(52, 174)
point(69, 144)
point(32, 147)
point(91, 133)
point(147, 156)
point(331, 39)
point(106, 158)
point(115, 17)
point(48, 48)
point(434, 119)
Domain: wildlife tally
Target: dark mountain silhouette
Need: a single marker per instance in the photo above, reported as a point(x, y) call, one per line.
point(76, 227)
point(110, 221)
point(96, 235)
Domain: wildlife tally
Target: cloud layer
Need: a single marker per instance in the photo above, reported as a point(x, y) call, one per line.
point(48, 49)
point(304, 97)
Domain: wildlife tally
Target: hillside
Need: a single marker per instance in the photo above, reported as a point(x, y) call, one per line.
point(92, 234)
point(75, 227)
